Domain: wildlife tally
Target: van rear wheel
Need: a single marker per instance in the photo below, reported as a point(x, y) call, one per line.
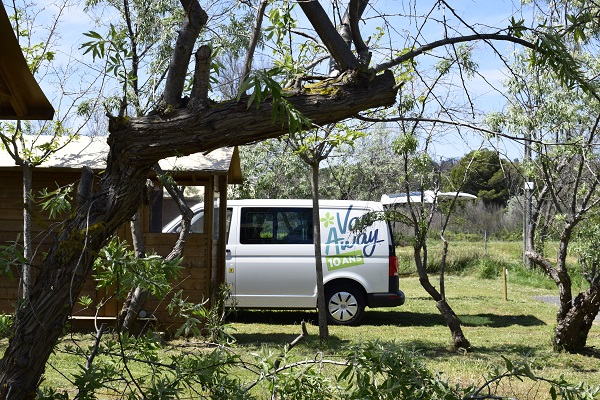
point(345, 304)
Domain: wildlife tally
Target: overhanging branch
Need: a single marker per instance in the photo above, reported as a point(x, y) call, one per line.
point(146, 140)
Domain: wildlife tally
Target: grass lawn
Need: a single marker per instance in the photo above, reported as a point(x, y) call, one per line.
point(519, 328)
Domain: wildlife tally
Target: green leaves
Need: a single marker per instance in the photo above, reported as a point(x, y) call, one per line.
point(386, 370)
point(281, 21)
point(201, 319)
point(517, 27)
point(263, 86)
point(113, 48)
point(56, 201)
point(11, 256)
point(116, 264)
point(553, 53)
point(406, 144)
point(559, 388)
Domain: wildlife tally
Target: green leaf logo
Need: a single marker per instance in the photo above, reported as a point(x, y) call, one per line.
point(327, 220)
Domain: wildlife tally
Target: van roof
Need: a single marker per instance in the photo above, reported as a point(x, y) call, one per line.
point(375, 205)
point(372, 205)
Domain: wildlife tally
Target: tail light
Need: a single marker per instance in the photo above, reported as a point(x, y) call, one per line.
point(393, 266)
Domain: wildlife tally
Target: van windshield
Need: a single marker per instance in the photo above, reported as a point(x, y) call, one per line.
point(197, 223)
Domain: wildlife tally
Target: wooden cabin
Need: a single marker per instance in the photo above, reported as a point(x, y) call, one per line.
point(204, 254)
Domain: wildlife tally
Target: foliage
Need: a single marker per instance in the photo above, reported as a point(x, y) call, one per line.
point(133, 59)
point(11, 255)
point(117, 265)
point(264, 86)
point(522, 369)
point(385, 370)
point(200, 320)
point(587, 248)
point(271, 173)
point(56, 201)
point(481, 172)
point(6, 323)
point(370, 370)
point(363, 170)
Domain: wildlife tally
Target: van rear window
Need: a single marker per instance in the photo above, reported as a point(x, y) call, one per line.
point(276, 225)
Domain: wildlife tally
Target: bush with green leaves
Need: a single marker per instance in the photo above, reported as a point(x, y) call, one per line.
point(200, 320)
point(120, 365)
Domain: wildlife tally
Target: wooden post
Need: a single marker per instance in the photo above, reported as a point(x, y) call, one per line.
point(504, 283)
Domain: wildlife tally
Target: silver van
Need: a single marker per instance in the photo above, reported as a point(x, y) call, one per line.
point(271, 259)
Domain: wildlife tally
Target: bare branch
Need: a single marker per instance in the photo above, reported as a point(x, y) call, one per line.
point(355, 10)
point(448, 122)
point(448, 41)
point(260, 13)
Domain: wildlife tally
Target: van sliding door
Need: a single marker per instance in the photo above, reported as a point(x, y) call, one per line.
point(274, 260)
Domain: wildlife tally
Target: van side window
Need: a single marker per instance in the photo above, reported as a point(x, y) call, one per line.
point(276, 225)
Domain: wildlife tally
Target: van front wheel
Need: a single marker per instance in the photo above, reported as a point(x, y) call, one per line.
point(345, 305)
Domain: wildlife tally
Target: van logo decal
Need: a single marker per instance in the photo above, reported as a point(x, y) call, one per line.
point(345, 260)
point(340, 237)
point(327, 220)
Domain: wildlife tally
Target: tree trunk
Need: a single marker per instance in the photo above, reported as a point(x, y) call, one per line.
point(458, 338)
point(132, 306)
point(321, 304)
point(136, 298)
point(136, 144)
point(572, 330)
point(27, 245)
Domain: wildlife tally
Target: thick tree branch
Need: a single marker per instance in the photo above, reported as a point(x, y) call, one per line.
point(146, 140)
point(543, 263)
point(338, 48)
point(196, 19)
point(444, 42)
point(199, 95)
point(346, 33)
point(355, 10)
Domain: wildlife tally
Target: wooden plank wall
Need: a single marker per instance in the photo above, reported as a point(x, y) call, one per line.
point(11, 222)
point(198, 254)
point(194, 279)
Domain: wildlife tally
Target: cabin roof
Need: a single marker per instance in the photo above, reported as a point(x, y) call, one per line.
point(92, 151)
point(20, 95)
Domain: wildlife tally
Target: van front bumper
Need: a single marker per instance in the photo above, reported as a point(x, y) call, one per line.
point(385, 299)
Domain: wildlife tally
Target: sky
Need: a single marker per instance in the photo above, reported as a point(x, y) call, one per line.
point(481, 13)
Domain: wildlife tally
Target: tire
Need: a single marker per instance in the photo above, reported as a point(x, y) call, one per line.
point(345, 304)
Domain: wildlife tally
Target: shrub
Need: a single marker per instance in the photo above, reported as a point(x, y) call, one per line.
point(6, 323)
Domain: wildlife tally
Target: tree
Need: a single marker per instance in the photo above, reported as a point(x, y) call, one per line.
point(364, 171)
point(182, 125)
point(419, 216)
point(313, 147)
point(270, 172)
point(560, 128)
point(481, 172)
